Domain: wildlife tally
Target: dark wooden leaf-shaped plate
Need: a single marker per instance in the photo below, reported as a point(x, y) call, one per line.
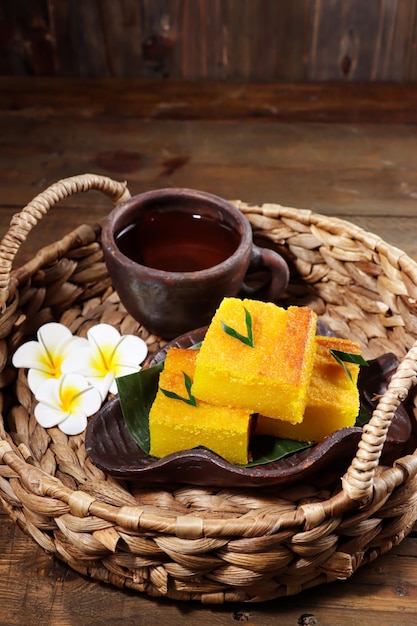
point(112, 449)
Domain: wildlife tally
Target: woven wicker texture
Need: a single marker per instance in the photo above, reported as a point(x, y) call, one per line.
point(208, 544)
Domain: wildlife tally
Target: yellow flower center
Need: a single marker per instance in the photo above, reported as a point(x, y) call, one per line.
point(53, 364)
point(103, 361)
point(70, 398)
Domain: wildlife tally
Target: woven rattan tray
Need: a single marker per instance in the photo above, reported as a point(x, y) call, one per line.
point(208, 544)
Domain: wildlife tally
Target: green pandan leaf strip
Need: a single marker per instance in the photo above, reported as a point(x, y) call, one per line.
point(348, 357)
point(136, 395)
point(187, 382)
point(266, 449)
point(363, 417)
point(248, 339)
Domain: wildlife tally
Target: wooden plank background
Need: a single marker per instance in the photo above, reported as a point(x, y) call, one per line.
point(344, 150)
point(246, 40)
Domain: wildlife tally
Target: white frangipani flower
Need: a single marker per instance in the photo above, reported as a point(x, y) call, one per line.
point(71, 376)
point(107, 356)
point(44, 358)
point(66, 402)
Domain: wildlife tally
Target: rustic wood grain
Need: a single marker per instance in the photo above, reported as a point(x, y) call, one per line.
point(353, 168)
point(27, 46)
point(363, 41)
point(227, 39)
point(209, 100)
point(247, 40)
point(360, 171)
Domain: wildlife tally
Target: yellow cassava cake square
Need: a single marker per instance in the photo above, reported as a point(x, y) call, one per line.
point(175, 425)
point(332, 399)
point(273, 376)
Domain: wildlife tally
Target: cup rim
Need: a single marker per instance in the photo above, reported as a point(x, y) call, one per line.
point(110, 246)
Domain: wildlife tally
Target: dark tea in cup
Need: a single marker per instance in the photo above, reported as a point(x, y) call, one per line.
point(177, 241)
point(174, 254)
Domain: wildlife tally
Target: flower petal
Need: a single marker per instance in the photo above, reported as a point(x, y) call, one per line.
point(71, 393)
point(113, 387)
point(130, 350)
point(80, 361)
point(75, 343)
point(86, 402)
point(103, 384)
point(49, 393)
point(48, 416)
point(30, 354)
point(36, 378)
point(103, 335)
point(89, 402)
point(72, 384)
point(103, 340)
point(52, 335)
point(46, 355)
point(73, 425)
point(125, 370)
point(122, 371)
point(110, 355)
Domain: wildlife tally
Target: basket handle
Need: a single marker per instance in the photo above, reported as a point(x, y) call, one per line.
point(359, 479)
point(22, 223)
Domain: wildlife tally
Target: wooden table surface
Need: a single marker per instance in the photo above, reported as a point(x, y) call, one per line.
point(345, 150)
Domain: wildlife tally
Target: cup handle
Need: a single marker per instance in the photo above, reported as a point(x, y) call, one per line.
point(264, 258)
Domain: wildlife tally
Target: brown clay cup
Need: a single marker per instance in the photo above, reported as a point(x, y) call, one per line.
point(143, 243)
